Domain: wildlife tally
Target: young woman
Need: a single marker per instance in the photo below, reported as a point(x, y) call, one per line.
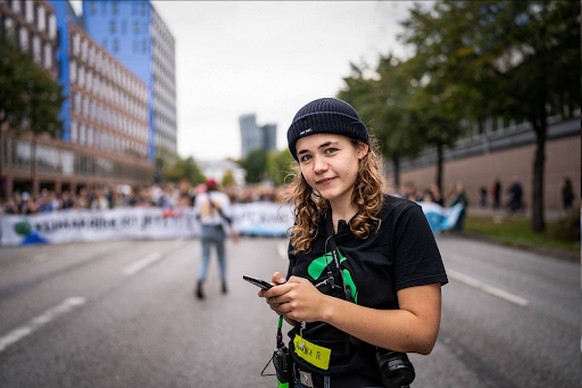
point(365, 273)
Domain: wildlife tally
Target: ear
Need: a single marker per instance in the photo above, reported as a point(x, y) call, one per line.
point(362, 149)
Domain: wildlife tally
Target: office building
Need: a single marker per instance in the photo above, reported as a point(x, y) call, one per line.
point(254, 137)
point(104, 137)
point(134, 33)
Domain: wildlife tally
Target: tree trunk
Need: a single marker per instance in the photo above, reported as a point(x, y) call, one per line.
point(396, 173)
point(439, 172)
point(2, 156)
point(538, 221)
point(35, 184)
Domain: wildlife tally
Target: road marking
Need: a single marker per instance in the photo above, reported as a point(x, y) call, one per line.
point(487, 288)
point(139, 265)
point(282, 250)
point(37, 322)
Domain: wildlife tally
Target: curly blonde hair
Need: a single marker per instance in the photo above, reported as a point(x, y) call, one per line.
point(367, 198)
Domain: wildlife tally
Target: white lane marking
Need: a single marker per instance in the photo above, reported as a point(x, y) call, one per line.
point(282, 250)
point(137, 266)
point(37, 322)
point(487, 288)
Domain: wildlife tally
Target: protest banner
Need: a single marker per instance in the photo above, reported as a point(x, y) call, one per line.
point(65, 226)
point(250, 219)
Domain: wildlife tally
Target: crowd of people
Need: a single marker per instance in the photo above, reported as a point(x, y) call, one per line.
point(166, 196)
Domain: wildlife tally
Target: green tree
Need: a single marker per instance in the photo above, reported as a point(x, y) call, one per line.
point(382, 99)
point(184, 169)
point(255, 166)
point(399, 135)
point(448, 92)
point(228, 179)
point(537, 68)
point(279, 166)
point(515, 59)
point(30, 98)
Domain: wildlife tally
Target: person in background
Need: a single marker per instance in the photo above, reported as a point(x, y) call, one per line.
point(460, 197)
point(365, 272)
point(213, 209)
point(496, 193)
point(516, 196)
point(483, 197)
point(567, 194)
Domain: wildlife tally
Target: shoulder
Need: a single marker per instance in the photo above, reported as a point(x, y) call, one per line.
point(397, 206)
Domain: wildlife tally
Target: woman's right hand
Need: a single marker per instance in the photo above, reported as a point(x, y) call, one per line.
point(276, 279)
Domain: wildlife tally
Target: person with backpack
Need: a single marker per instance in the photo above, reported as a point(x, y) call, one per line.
point(213, 210)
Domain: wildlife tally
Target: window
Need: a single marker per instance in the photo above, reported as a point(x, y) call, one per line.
point(24, 39)
point(9, 26)
point(81, 75)
point(112, 26)
point(73, 71)
point(76, 44)
point(48, 56)
point(52, 26)
point(41, 15)
point(36, 49)
point(84, 47)
point(16, 6)
point(29, 11)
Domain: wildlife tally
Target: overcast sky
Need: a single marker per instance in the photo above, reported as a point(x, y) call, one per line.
point(268, 58)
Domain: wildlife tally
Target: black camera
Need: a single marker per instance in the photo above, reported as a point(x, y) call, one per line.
point(282, 364)
point(396, 369)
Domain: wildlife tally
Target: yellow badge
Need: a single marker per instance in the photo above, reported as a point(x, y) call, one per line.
point(312, 353)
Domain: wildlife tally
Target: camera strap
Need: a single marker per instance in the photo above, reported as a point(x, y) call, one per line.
point(331, 243)
point(281, 360)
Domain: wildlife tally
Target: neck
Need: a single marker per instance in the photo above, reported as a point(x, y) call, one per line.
point(341, 213)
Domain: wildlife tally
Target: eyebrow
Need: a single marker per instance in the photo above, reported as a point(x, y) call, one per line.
point(323, 145)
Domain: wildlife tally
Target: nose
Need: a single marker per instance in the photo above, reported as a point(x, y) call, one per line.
point(319, 164)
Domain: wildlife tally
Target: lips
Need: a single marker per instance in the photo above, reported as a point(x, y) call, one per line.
point(324, 181)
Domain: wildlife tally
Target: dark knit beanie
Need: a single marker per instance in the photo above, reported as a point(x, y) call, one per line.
point(326, 115)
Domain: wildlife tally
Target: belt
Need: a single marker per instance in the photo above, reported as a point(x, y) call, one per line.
point(315, 380)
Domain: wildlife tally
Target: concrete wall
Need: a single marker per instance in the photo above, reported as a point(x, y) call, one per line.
point(562, 159)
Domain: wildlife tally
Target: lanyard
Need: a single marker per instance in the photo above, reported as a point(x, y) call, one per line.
point(336, 271)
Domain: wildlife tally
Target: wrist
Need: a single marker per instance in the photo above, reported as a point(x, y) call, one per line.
point(329, 307)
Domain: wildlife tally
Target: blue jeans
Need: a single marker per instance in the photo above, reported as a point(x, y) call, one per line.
point(212, 235)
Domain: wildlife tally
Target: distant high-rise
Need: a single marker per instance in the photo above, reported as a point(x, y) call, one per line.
point(254, 137)
point(133, 32)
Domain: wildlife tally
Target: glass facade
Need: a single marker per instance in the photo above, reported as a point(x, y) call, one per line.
point(105, 116)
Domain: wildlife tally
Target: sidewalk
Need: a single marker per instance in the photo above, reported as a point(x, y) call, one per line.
point(498, 215)
point(550, 215)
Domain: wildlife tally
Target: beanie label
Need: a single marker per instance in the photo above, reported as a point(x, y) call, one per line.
point(308, 130)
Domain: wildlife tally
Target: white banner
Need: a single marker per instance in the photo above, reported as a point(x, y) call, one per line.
point(250, 219)
point(441, 218)
point(260, 219)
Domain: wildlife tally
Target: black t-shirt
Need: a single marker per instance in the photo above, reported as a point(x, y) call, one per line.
point(400, 253)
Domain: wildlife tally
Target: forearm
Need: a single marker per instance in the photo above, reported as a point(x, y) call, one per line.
point(397, 330)
point(413, 328)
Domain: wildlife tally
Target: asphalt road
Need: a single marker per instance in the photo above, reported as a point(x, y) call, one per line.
point(122, 314)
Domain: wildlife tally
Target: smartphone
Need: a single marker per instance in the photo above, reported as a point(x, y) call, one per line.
point(257, 282)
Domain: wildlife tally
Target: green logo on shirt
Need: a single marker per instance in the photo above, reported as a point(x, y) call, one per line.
point(317, 266)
